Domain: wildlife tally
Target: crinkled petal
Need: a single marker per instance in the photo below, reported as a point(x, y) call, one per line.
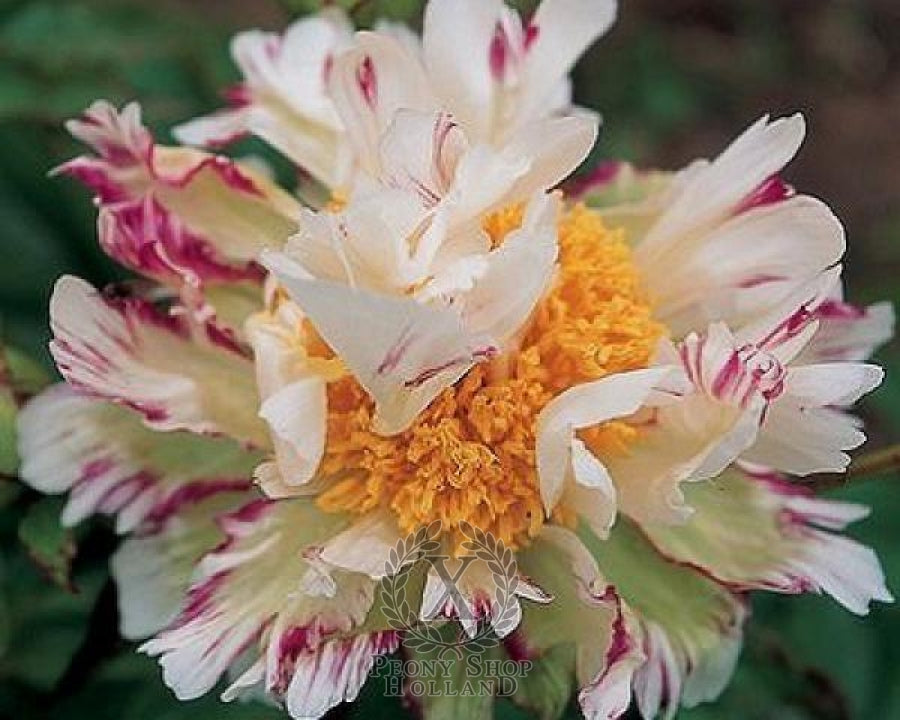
point(231, 208)
point(586, 611)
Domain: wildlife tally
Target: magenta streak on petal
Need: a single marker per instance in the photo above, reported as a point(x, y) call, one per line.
point(499, 52)
point(95, 175)
point(622, 643)
point(123, 493)
point(225, 338)
point(395, 353)
point(291, 644)
point(771, 191)
point(93, 470)
point(427, 374)
point(200, 598)
point(227, 170)
point(728, 377)
point(147, 238)
point(837, 310)
point(759, 280)
point(367, 81)
point(238, 524)
point(516, 646)
point(532, 32)
point(788, 329)
point(237, 95)
point(602, 175)
point(192, 494)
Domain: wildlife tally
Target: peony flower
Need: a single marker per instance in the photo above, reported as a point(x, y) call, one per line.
point(614, 387)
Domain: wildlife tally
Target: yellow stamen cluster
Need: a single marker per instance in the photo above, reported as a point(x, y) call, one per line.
point(471, 455)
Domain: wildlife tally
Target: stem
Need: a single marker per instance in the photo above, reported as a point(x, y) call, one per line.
point(866, 467)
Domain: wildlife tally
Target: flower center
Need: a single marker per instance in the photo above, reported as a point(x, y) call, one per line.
point(470, 457)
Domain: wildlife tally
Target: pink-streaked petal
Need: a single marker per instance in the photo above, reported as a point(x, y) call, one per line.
point(143, 236)
point(586, 612)
point(233, 209)
point(248, 585)
point(335, 672)
point(457, 38)
point(715, 191)
point(762, 532)
point(283, 98)
point(848, 333)
point(743, 267)
point(111, 463)
point(176, 374)
point(688, 625)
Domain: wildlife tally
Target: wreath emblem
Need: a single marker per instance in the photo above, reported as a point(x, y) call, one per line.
point(424, 546)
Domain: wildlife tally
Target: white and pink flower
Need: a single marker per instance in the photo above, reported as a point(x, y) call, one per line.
point(304, 385)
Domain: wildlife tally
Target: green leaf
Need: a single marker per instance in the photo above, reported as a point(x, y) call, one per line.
point(50, 545)
point(9, 457)
point(47, 626)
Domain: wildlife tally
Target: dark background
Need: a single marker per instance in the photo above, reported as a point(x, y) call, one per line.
point(675, 79)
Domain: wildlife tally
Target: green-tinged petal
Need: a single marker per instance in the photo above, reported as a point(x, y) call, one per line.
point(586, 614)
point(762, 532)
point(264, 601)
point(153, 569)
point(615, 186)
point(691, 625)
point(547, 689)
point(109, 462)
point(454, 683)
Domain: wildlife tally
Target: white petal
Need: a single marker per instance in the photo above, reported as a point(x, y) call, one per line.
point(369, 84)
point(297, 415)
point(582, 406)
point(714, 191)
point(563, 29)
point(403, 353)
point(365, 545)
point(741, 268)
point(456, 37)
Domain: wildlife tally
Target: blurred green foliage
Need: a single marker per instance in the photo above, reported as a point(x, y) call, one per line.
point(675, 80)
